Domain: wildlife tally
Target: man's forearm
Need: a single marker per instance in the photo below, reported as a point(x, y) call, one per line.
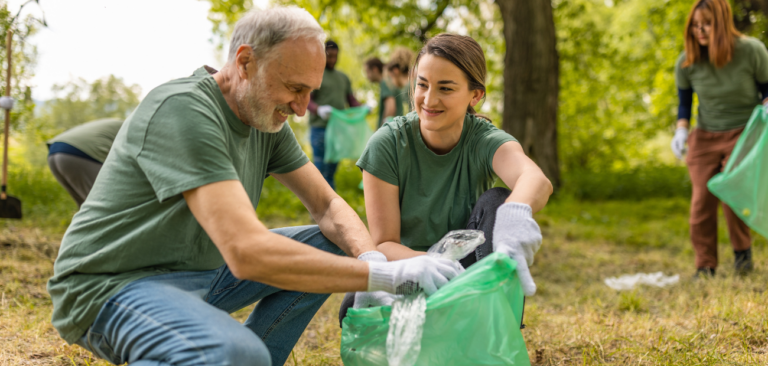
point(341, 225)
point(532, 188)
point(284, 263)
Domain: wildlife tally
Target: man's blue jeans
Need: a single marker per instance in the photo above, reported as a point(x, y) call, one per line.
point(317, 139)
point(182, 318)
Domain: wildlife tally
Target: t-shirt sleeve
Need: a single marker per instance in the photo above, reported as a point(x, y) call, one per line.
point(761, 62)
point(681, 77)
point(287, 155)
point(379, 157)
point(184, 148)
point(487, 141)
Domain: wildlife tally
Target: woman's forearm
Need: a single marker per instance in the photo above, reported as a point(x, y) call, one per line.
point(396, 251)
point(683, 122)
point(532, 188)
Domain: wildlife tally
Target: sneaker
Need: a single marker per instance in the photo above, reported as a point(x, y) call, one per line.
point(743, 261)
point(704, 272)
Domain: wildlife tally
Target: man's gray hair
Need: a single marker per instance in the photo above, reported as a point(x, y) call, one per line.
point(265, 29)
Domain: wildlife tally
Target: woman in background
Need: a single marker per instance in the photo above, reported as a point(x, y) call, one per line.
point(394, 87)
point(728, 72)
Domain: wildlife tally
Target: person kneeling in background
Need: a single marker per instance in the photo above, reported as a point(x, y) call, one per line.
point(76, 155)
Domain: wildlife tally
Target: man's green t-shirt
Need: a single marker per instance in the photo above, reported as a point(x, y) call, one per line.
point(135, 222)
point(389, 90)
point(93, 138)
point(727, 95)
point(333, 92)
point(437, 192)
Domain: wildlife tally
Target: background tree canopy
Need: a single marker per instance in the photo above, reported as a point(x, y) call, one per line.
point(617, 99)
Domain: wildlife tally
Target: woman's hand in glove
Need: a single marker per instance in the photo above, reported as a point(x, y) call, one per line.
point(679, 140)
point(516, 234)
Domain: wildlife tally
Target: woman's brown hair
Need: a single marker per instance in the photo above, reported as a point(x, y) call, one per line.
point(400, 60)
point(722, 38)
point(462, 51)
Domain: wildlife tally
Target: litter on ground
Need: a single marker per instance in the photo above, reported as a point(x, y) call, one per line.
point(628, 282)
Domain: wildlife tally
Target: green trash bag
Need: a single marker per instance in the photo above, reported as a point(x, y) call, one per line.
point(473, 320)
point(743, 184)
point(346, 134)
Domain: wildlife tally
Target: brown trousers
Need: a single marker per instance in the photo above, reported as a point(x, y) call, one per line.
point(708, 152)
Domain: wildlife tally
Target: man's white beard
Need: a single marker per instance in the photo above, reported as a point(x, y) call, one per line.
point(254, 108)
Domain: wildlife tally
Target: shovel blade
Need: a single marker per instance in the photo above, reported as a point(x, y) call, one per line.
point(10, 208)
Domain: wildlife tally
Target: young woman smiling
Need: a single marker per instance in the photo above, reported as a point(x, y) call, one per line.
point(431, 171)
point(729, 73)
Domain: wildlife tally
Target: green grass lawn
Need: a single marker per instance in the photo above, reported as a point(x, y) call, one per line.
point(574, 319)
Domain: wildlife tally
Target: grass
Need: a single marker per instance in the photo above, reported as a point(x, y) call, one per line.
point(574, 319)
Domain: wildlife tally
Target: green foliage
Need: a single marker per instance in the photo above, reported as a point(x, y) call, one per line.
point(365, 29)
point(74, 103)
point(650, 223)
point(45, 203)
point(23, 59)
point(279, 206)
point(618, 99)
point(79, 101)
point(617, 85)
point(639, 183)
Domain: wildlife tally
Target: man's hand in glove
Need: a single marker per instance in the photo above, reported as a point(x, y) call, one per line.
point(409, 276)
point(368, 299)
point(516, 234)
point(324, 111)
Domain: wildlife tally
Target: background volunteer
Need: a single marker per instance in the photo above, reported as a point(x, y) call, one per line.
point(334, 93)
point(76, 156)
point(729, 73)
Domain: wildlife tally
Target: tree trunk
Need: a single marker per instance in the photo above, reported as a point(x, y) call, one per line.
point(531, 80)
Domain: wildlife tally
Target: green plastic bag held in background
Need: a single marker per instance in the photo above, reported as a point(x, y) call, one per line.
point(346, 134)
point(473, 320)
point(743, 184)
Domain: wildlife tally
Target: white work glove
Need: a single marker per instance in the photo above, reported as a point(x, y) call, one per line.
point(455, 263)
point(376, 298)
point(516, 234)
point(373, 299)
point(678, 141)
point(410, 276)
point(324, 111)
point(6, 102)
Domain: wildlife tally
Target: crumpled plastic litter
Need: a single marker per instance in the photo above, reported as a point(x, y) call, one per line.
point(629, 281)
point(406, 324)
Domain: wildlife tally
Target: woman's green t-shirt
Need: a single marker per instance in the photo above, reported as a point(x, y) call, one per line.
point(437, 192)
point(727, 95)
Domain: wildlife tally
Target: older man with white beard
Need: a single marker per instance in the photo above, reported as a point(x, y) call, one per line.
point(168, 242)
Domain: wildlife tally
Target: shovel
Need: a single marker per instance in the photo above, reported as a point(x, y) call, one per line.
point(10, 207)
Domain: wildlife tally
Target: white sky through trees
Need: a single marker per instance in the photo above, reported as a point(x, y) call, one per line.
point(145, 42)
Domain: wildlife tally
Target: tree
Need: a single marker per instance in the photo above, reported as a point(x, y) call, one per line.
point(23, 57)
point(531, 78)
